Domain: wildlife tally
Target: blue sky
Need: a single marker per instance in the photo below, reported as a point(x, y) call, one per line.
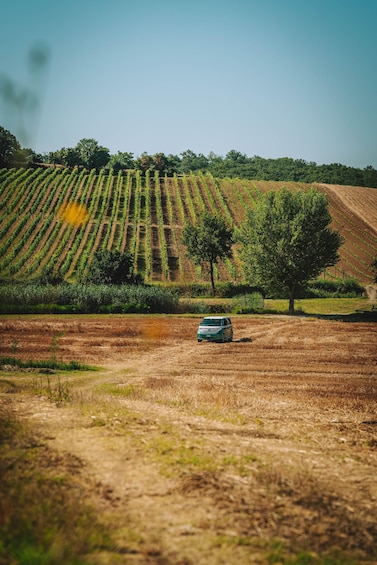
point(274, 78)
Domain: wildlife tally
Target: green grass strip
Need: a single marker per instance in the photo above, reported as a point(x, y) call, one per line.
point(45, 364)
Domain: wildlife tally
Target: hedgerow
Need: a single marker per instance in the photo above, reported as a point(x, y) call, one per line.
point(325, 288)
point(85, 298)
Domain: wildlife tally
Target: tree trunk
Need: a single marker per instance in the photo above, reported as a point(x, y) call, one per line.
point(212, 279)
point(291, 309)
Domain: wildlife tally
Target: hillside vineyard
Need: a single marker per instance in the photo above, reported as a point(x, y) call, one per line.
point(145, 215)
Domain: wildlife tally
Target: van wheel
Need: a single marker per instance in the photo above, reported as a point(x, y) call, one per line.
point(199, 341)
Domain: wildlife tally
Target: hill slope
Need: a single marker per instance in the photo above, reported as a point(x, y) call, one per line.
point(146, 216)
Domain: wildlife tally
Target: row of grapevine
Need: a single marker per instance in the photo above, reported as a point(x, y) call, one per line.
point(187, 269)
point(27, 229)
point(174, 258)
point(137, 230)
point(145, 216)
point(79, 233)
point(148, 236)
point(93, 232)
point(114, 211)
point(124, 211)
point(65, 263)
point(54, 242)
point(161, 231)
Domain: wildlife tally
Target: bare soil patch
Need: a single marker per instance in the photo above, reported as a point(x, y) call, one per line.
point(256, 451)
point(361, 201)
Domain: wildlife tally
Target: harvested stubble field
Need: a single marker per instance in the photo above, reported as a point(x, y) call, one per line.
point(263, 450)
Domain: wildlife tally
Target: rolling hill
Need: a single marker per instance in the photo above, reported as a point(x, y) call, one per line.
point(58, 217)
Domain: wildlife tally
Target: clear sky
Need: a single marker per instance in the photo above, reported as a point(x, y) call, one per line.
point(274, 78)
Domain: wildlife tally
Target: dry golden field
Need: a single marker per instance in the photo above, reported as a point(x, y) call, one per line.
point(263, 450)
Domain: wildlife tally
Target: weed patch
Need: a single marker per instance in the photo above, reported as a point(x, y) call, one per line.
point(44, 364)
point(56, 390)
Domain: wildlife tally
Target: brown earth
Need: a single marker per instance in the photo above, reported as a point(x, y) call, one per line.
point(359, 200)
point(238, 453)
point(354, 214)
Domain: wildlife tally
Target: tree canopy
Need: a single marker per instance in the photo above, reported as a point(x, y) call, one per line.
point(208, 241)
point(111, 267)
point(87, 153)
point(9, 146)
point(121, 161)
point(90, 154)
point(234, 165)
point(286, 241)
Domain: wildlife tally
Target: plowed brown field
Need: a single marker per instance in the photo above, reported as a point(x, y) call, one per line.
point(354, 213)
point(239, 453)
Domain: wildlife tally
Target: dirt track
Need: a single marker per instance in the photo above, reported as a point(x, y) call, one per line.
point(209, 453)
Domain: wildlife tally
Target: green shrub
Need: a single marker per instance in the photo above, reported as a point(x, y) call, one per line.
point(334, 288)
point(203, 290)
point(188, 306)
point(326, 288)
point(110, 267)
point(247, 303)
point(50, 276)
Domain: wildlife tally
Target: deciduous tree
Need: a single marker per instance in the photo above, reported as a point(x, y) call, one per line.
point(208, 241)
point(111, 267)
point(286, 241)
point(91, 154)
point(192, 162)
point(121, 161)
point(9, 146)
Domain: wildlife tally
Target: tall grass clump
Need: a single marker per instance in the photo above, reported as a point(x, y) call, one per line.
point(86, 298)
point(44, 364)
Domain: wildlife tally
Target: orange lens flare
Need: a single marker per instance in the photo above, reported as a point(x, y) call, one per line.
point(74, 213)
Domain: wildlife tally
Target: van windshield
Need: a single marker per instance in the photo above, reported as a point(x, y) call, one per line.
point(210, 322)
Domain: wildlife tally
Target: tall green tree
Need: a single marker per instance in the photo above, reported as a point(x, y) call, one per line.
point(192, 162)
point(160, 163)
point(144, 162)
point(9, 146)
point(111, 267)
point(121, 161)
point(286, 241)
point(28, 156)
point(67, 156)
point(208, 241)
point(91, 154)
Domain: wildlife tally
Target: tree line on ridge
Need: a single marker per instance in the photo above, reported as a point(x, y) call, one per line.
point(88, 153)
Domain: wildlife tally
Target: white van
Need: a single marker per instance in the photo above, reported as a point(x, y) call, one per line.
point(215, 328)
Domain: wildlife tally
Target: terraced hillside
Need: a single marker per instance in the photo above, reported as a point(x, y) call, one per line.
point(146, 215)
